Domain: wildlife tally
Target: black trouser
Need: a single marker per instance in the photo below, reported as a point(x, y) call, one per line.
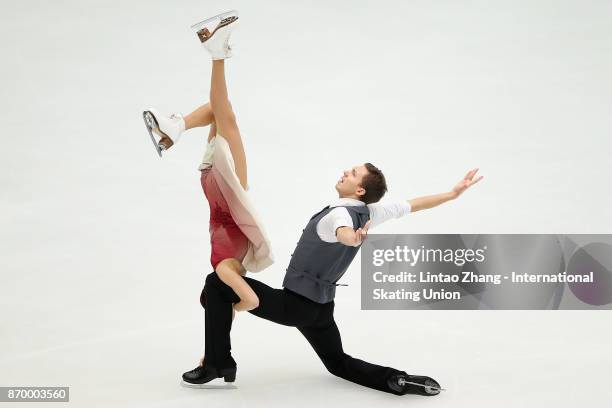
point(314, 320)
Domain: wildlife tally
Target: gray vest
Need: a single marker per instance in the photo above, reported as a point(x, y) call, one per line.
point(316, 265)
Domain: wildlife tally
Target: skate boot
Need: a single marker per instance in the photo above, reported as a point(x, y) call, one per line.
point(214, 34)
point(414, 384)
point(164, 131)
point(202, 375)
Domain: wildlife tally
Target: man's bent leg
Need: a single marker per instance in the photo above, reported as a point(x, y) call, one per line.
point(218, 324)
point(218, 361)
point(324, 337)
point(277, 305)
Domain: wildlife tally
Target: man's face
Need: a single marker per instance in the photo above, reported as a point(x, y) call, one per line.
point(349, 184)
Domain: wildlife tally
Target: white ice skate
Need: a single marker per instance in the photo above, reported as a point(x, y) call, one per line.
point(214, 34)
point(164, 131)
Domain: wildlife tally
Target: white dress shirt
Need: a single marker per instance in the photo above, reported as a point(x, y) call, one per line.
point(340, 217)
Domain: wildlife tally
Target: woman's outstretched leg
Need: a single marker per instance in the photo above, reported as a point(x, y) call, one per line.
point(225, 119)
point(202, 116)
point(230, 270)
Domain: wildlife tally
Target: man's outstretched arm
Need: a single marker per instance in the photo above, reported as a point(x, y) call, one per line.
point(348, 236)
point(423, 203)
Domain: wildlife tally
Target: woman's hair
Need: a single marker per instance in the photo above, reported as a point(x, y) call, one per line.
point(374, 184)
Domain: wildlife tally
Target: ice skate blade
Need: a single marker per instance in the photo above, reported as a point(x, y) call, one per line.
point(205, 34)
point(203, 23)
point(151, 123)
point(426, 387)
point(209, 386)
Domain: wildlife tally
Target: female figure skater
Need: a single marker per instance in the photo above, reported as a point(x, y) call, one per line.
point(238, 240)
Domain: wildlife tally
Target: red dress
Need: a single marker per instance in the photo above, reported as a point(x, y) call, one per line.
point(235, 229)
point(226, 238)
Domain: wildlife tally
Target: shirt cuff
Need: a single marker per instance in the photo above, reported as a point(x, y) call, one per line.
point(408, 207)
point(340, 224)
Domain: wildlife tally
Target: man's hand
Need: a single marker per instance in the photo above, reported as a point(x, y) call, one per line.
point(362, 233)
point(351, 237)
point(467, 182)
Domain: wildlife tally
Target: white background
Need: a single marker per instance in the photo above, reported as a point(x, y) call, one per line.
point(104, 247)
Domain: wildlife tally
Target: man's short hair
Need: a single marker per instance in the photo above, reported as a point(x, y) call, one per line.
point(374, 184)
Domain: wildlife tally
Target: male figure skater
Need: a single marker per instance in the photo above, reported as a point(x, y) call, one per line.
point(326, 248)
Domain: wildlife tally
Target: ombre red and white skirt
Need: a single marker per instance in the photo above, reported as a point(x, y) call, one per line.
point(226, 238)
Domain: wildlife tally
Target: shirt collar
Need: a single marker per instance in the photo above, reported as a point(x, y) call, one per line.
point(345, 201)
